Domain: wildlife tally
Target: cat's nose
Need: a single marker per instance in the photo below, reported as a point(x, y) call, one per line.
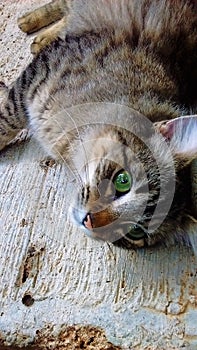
point(87, 222)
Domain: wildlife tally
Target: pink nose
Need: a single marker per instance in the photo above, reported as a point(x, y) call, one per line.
point(87, 222)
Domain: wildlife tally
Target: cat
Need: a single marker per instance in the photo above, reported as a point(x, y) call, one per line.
point(106, 82)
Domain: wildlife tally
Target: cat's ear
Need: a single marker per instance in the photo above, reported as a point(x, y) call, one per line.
point(181, 133)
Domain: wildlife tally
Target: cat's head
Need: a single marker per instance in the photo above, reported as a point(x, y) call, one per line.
point(127, 178)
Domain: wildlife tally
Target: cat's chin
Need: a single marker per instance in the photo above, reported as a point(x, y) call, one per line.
point(129, 243)
point(123, 242)
point(134, 238)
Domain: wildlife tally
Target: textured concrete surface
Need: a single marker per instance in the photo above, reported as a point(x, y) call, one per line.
point(53, 277)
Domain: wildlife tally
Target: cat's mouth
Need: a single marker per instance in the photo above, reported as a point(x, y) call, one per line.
point(133, 233)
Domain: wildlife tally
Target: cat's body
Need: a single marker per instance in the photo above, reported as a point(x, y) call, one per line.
point(141, 54)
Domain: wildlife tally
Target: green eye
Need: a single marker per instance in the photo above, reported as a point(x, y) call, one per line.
point(135, 232)
point(123, 182)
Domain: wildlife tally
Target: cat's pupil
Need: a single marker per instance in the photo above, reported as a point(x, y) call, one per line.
point(124, 179)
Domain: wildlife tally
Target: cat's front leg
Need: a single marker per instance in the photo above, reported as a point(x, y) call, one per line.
point(3, 91)
point(55, 11)
point(49, 35)
point(4, 137)
point(42, 16)
point(12, 116)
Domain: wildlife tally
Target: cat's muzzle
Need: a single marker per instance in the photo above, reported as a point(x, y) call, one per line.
point(135, 237)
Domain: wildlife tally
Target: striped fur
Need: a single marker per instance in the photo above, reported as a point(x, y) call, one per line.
point(138, 53)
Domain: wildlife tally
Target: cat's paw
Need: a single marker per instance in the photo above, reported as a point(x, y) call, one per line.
point(50, 34)
point(42, 40)
point(28, 23)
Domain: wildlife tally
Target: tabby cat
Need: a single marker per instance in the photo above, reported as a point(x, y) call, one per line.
point(107, 81)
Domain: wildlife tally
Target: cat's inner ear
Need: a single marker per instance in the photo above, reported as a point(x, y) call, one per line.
point(181, 133)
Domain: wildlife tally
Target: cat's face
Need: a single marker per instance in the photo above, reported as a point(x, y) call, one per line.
point(127, 178)
point(120, 185)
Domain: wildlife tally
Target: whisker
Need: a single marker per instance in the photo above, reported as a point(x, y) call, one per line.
point(80, 179)
point(77, 176)
point(111, 251)
point(81, 141)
